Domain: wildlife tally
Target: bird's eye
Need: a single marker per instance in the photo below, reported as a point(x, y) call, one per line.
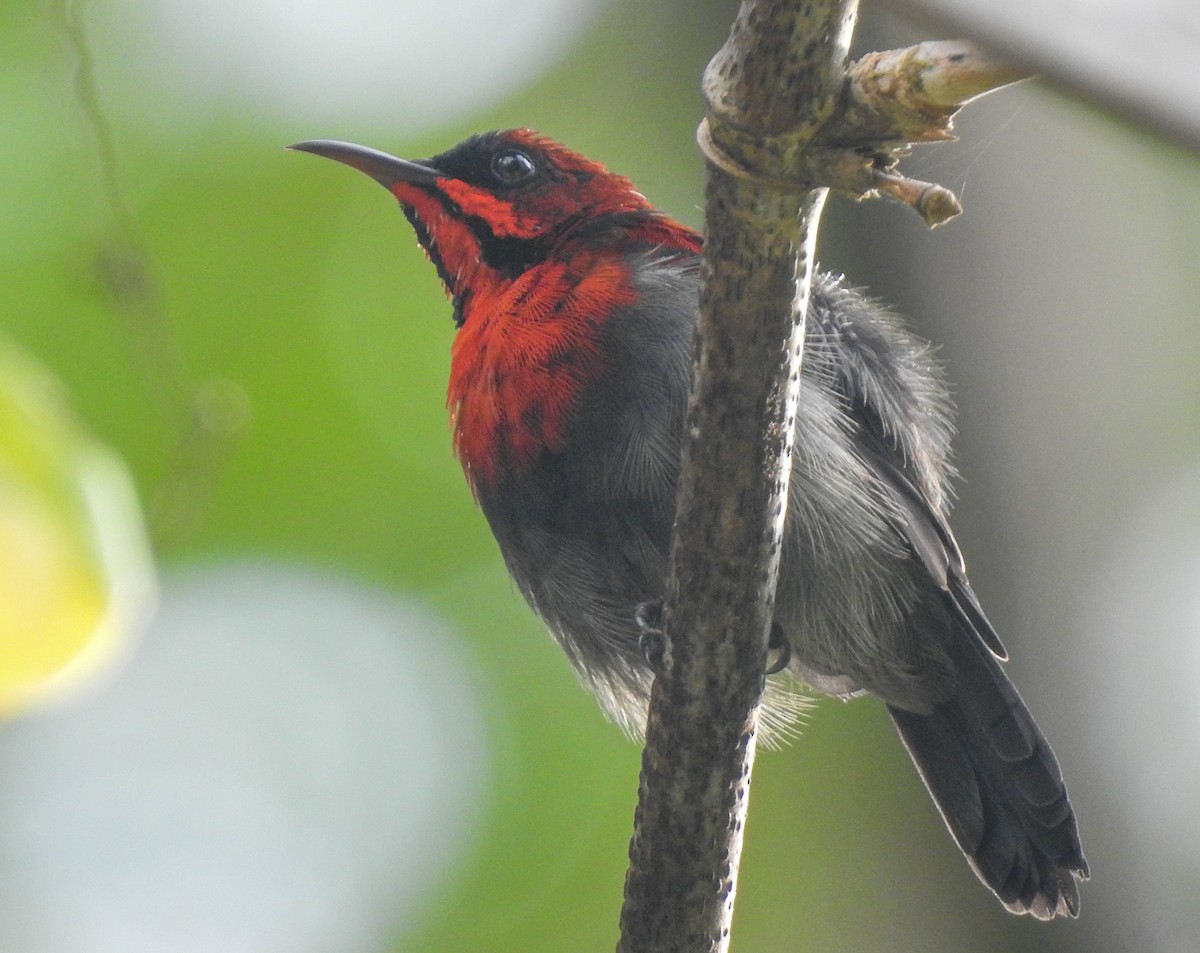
point(512, 166)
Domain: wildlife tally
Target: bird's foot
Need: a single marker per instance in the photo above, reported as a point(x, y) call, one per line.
point(778, 643)
point(651, 640)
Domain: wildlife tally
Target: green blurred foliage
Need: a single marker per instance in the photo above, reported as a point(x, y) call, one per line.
point(77, 582)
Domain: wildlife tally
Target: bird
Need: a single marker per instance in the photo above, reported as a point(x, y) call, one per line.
point(575, 303)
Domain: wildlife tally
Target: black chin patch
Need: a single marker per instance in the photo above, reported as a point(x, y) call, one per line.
point(507, 256)
point(426, 241)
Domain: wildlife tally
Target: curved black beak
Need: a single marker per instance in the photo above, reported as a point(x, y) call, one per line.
point(385, 169)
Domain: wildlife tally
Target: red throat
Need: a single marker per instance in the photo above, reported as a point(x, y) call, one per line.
point(526, 350)
point(535, 271)
point(458, 248)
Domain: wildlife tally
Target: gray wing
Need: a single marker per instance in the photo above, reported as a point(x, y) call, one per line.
point(895, 393)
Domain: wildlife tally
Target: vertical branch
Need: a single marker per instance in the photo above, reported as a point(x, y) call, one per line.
point(769, 90)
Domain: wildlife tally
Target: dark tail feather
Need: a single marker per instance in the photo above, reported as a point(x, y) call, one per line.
point(999, 788)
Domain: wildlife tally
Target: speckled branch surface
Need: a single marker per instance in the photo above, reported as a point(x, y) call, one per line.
point(781, 72)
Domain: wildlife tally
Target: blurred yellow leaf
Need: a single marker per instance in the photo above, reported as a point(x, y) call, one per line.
point(76, 576)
